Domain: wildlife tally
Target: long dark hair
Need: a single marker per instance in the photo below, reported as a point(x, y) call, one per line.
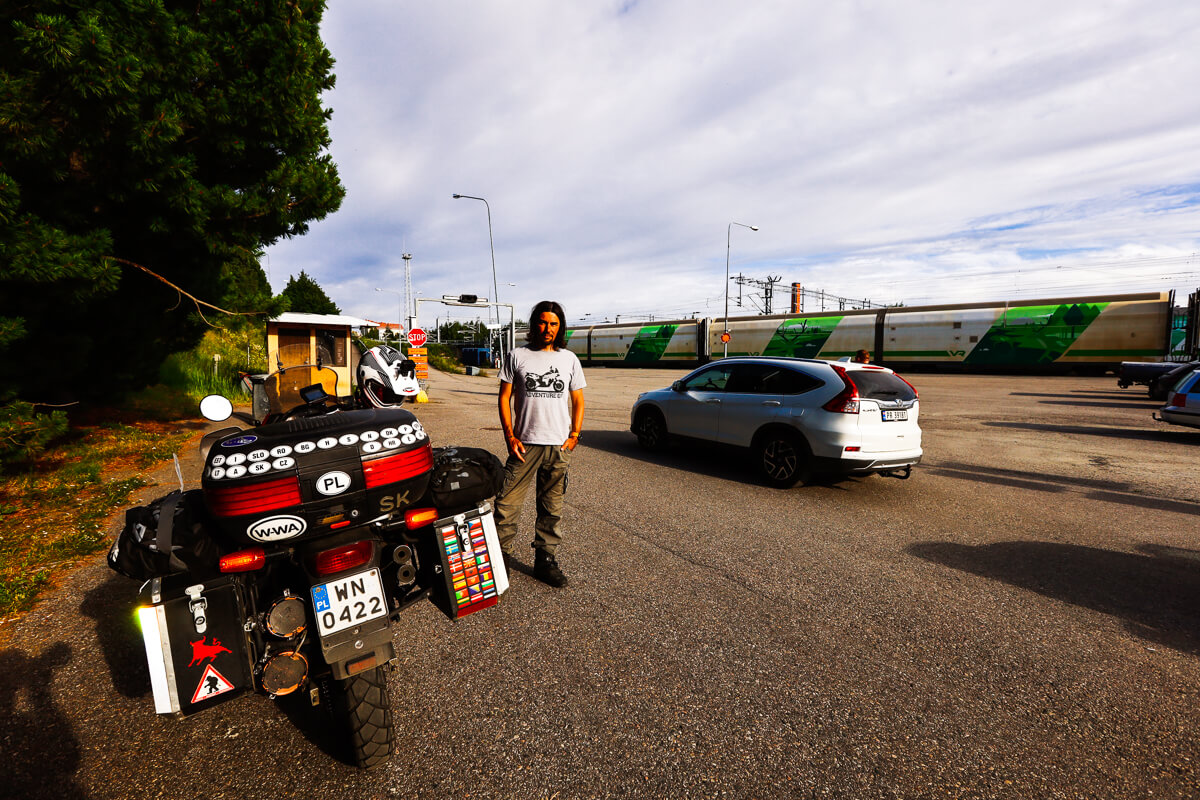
point(560, 341)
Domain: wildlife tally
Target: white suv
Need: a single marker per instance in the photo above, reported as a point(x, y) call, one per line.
point(798, 415)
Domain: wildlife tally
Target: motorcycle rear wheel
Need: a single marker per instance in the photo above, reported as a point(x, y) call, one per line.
point(366, 707)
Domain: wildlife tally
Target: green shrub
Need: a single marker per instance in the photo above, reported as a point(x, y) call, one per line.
point(443, 357)
point(198, 374)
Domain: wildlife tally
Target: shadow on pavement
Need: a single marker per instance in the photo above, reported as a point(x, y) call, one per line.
point(1157, 596)
point(1093, 488)
point(40, 752)
point(1175, 436)
point(111, 604)
point(696, 457)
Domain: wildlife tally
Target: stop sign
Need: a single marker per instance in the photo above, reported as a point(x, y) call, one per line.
point(416, 337)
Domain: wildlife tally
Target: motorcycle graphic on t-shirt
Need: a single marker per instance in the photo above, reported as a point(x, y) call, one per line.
point(549, 381)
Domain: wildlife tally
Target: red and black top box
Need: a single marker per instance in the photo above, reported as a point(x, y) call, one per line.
point(309, 476)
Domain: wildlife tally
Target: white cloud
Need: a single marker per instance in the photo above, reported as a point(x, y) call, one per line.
point(883, 148)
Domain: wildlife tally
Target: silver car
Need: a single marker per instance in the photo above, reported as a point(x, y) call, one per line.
point(1183, 402)
point(798, 416)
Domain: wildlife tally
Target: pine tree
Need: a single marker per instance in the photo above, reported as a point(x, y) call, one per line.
point(307, 297)
point(149, 149)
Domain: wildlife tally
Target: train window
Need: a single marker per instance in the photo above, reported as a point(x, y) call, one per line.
point(974, 338)
point(958, 325)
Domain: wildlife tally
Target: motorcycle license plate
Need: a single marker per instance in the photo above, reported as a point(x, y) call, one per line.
point(348, 602)
point(895, 415)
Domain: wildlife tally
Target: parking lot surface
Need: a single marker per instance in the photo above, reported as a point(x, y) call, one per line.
point(1021, 618)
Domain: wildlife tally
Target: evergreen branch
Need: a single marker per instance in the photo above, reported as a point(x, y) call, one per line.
point(183, 293)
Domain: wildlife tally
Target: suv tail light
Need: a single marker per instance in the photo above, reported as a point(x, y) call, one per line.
point(1178, 399)
point(340, 559)
point(254, 498)
point(846, 401)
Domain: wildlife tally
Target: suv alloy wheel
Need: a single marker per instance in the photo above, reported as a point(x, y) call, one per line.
point(783, 459)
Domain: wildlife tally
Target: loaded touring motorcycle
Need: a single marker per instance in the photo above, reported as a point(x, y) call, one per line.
point(313, 531)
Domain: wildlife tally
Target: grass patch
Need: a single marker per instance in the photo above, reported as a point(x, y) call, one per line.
point(196, 373)
point(52, 512)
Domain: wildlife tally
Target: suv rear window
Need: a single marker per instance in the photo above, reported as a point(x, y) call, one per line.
point(878, 385)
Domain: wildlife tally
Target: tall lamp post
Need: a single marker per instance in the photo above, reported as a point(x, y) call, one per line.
point(492, 245)
point(725, 333)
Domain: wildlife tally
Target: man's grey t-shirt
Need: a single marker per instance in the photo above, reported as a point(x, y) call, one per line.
point(541, 381)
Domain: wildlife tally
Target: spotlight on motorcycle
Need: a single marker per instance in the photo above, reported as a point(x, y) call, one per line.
point(284, 673)
point(286, 617)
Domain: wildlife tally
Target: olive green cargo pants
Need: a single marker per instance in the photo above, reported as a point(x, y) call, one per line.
point(549, 463)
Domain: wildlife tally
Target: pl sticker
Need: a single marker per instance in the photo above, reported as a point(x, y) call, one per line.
point(274, 529)
point(332, 483)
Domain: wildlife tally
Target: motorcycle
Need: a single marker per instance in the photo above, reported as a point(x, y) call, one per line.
point(312, 533)
point(550, 380)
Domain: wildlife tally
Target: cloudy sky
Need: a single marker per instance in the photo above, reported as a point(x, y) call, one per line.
point(916, 152)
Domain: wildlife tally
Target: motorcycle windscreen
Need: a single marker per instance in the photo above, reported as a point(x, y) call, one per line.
point(196, 649)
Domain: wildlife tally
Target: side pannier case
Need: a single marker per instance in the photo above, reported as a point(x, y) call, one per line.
point(311, 476)
point(196, 647)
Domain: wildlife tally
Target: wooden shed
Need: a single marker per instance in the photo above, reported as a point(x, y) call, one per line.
point(294, 339)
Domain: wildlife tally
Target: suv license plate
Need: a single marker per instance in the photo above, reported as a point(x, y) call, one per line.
point(348, 602)
point(895, 415)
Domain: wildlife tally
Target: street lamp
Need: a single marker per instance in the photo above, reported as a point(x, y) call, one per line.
point(725, 334)
point(492, 245)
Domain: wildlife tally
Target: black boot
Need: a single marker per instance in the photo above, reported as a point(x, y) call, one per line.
point(545, 569)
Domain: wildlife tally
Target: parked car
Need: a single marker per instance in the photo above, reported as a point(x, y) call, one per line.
point(798, 416)
point(1160, 385)
point(1183, 402)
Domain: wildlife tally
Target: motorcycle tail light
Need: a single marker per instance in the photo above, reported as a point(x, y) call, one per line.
point(419, 517)
point(340, 559)
point(244, 560)
point(254, 498)
point(846, 401)
point(400, 467)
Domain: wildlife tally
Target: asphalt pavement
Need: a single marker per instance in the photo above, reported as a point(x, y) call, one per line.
point(1020, 619)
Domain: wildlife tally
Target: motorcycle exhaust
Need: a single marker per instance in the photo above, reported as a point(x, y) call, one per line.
point(407, 573)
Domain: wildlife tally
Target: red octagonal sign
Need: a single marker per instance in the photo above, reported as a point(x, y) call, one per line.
point(417, 337)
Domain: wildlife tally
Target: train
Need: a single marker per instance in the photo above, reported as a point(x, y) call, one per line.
point(1074, 334)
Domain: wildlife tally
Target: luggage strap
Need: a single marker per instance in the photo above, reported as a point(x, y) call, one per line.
point(166, 522)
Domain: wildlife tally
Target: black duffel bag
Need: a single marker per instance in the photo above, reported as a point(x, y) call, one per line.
point(169, 535)
point(464, 476)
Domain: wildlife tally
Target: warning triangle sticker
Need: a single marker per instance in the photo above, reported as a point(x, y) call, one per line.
point(212, 683)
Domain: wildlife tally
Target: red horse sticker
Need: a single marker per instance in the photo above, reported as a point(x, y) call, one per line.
point(202, 651)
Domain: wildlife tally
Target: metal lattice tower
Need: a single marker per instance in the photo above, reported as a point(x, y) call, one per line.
point(406, 320)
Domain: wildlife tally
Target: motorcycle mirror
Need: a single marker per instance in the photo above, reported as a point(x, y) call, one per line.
point(217, 408)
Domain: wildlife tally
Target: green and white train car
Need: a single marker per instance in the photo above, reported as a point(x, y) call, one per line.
point(1059, 334)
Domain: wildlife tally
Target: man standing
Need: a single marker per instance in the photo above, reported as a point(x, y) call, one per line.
point(541, 413)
